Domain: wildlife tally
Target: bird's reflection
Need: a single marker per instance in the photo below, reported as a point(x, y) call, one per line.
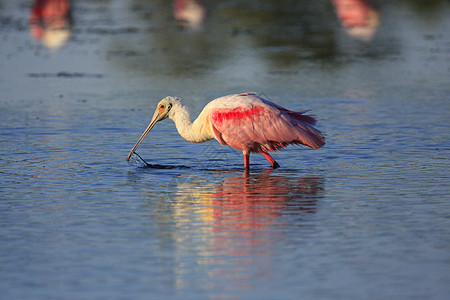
point(190, 13)
point(50, 21)
point(359, 18)
point(245, 205)
point(235, 221)
point(251, 203)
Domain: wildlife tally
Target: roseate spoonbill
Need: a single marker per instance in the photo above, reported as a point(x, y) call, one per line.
point(246, 122)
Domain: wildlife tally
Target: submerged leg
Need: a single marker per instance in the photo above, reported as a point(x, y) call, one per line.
point(246, 160)
point(272, 161)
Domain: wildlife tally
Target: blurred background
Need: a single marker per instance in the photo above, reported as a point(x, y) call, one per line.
point(366, 216)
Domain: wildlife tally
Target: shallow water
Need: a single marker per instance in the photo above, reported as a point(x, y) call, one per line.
point(366, 216)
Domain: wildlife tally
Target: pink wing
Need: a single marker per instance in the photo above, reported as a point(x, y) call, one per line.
point(263, 126)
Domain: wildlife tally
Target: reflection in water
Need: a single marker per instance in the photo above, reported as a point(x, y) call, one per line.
point(257, 37)
point(190, 13)
point(252, 203)
point(50, 21)
point(358, 17)
point(236, 217)
point(247, 202)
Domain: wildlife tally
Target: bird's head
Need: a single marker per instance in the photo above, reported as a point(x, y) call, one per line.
point(163, 110)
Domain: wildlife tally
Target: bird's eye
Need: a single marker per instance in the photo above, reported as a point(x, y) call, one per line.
point(162, 106)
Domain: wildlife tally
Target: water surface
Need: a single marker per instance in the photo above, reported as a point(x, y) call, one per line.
point(366, 216)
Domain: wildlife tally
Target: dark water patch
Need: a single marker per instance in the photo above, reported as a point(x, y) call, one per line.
point(283, 73)
point(63, 74)
point(123, 53)
point(112, 31)
point(137, 161)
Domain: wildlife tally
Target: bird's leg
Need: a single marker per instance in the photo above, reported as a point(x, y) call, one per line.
point(272, 161)
point(246, 160)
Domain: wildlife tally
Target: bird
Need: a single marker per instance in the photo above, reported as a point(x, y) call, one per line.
point(246, 121)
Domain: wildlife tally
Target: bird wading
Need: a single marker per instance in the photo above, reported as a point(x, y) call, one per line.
point(246, 122)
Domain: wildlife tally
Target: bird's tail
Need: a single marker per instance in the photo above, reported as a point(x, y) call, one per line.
point(308, 134)
point(317, 139)
point(299, 115)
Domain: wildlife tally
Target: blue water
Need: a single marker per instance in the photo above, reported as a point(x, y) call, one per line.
point(365, 217)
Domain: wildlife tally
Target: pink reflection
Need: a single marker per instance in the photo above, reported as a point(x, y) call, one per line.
point(190, 12)
point(358, 17)
point(245, 210)
point(238, 221)
point(50, 22)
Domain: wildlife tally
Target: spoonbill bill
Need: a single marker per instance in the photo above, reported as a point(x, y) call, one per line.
point(246, 122)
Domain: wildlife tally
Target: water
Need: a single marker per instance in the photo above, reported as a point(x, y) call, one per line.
point(367, 216)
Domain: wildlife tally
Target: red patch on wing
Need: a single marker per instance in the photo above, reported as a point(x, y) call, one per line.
point(235, 115)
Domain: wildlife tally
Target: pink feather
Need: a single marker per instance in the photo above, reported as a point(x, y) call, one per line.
point(257, 125)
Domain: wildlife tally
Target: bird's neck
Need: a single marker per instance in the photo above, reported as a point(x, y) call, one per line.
point(196, 131)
